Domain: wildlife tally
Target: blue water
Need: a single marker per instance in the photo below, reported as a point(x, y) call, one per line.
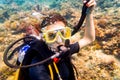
point(24, 4)
point(16, 1)
point(9, 7)
point(20, 2)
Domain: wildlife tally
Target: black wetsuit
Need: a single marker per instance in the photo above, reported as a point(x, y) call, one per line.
point(40, 51)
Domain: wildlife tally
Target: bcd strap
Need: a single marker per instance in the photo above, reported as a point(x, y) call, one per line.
point(56, 69)
point(51, 72)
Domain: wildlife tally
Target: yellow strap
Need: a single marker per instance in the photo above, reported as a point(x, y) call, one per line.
point(17, 74)
point(51, 72)
point(57, 71)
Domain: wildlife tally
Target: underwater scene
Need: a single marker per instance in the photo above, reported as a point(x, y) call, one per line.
point(98, 61)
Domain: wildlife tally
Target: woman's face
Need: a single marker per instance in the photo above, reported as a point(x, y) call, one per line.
point(56, 26)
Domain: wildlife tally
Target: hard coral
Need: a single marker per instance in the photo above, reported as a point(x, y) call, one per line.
point(7, 24)
point(14, 25)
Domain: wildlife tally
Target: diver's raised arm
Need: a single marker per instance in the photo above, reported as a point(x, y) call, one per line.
point(89, 35)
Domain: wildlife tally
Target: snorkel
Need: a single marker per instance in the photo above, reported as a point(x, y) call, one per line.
point(82, 18)
point(79, 25)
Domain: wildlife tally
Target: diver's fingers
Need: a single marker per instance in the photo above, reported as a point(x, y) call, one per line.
point(84, 1)
point(91, 3)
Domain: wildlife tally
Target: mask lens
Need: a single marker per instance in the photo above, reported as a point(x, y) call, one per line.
point(62, 32)
point(51, 35)
point(66, 33)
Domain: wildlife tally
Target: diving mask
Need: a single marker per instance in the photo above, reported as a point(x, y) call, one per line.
point(50, 36)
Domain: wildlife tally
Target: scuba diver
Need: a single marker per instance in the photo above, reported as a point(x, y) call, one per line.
point(55, 37)
point(55, 32)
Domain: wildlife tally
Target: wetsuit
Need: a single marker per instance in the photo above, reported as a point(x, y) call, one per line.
point(40, 51)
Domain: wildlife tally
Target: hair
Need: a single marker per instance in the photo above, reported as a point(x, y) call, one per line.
point(26, 22)
point(51, 19)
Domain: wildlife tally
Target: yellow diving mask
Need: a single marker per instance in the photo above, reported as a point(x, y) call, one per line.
point(50, 36)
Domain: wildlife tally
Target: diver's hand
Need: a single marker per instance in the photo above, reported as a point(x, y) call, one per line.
point(91, 5)
point(66, 51)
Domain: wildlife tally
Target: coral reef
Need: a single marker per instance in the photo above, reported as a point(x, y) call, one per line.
point(107, 34)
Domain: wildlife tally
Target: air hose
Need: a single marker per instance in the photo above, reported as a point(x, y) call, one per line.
point(6, 57)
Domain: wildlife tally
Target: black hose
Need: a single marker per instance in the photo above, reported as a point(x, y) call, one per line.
point(5, 58)
point(82, 18)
